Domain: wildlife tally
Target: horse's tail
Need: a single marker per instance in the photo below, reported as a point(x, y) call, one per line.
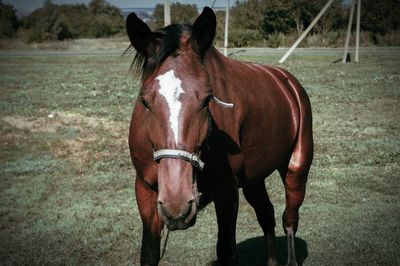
point(303, 151)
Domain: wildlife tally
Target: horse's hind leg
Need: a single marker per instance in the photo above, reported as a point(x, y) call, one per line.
point(258, 198)
point(294, 180)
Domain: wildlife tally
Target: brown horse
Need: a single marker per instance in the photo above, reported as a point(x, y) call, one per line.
point(204, 122)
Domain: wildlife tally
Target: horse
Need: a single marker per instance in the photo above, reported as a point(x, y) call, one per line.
point(205, 124)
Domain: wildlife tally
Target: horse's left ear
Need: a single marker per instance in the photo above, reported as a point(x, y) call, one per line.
point(203, 32)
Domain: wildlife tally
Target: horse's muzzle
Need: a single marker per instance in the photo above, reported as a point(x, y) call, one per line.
point(178, 220)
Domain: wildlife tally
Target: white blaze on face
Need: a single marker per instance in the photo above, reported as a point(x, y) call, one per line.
point(171, 89)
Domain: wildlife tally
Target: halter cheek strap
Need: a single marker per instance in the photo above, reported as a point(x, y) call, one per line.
point(192, 158)
point(222, 103)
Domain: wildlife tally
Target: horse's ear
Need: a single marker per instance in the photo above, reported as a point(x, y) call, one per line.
point(139, 34)
point(203, 32)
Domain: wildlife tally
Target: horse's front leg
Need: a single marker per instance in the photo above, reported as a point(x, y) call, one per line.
point(226, 206)
point(146, 199)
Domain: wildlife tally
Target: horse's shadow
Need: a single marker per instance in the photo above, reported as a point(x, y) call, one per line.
point(252, 251)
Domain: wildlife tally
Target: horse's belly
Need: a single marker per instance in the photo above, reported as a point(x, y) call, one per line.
point(259, 165)
point(266, 150)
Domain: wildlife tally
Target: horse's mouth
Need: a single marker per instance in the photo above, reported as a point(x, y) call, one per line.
point(182, 222)
point(179, 224)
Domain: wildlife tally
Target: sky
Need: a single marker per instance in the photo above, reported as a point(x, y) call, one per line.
point(30, 5)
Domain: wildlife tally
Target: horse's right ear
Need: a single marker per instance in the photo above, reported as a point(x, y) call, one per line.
point(139, 34)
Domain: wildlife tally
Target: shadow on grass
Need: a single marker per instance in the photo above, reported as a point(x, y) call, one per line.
point(251, 252)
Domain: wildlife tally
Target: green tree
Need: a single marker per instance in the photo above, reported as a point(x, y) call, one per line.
point(278, 17)
point(304, 12)
point(380, 16)
point(102, 7)
point(98, 6)
point(273, 19)
point(246, 23)
point(219, 35)
point(41, 24)
point(286, 16)
point(248, 15)
point(59, 22)
point(76, 19)
point(180, 13)
point(107, 19)
point(8, 21)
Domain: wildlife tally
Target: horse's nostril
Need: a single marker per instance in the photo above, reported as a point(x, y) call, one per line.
point(186, 212)
point(164, 210)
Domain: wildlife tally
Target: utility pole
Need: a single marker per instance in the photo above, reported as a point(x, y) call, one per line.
point(226, 28)
point(358, 30)
point(346, 45)
point(167, 13)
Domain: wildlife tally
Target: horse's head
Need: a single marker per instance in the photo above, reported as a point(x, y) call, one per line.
point(174, 101)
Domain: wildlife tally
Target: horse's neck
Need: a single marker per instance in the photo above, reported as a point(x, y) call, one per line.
point(218, 68)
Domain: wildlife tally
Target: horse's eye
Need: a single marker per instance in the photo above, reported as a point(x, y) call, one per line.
point(207, 101)
point(145, 104)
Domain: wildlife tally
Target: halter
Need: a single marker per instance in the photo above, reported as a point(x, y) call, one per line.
point(192, 158)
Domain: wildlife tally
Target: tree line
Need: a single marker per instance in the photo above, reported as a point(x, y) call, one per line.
point(60, 22)
point(276, 23)
point(273, 21)
point(270, 23)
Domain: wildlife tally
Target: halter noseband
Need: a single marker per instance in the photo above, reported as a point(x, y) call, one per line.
point(192, 158)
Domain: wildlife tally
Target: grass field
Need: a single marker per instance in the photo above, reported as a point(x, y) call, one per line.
point(66, 180)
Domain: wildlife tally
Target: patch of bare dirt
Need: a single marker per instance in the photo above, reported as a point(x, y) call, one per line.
point(90, 131)
point(33, 124)
point(114, 128)
point(54, 121)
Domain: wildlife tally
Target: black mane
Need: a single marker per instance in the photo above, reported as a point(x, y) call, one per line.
point(168, 40)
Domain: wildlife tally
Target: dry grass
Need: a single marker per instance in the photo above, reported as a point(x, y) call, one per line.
point(101, 44)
